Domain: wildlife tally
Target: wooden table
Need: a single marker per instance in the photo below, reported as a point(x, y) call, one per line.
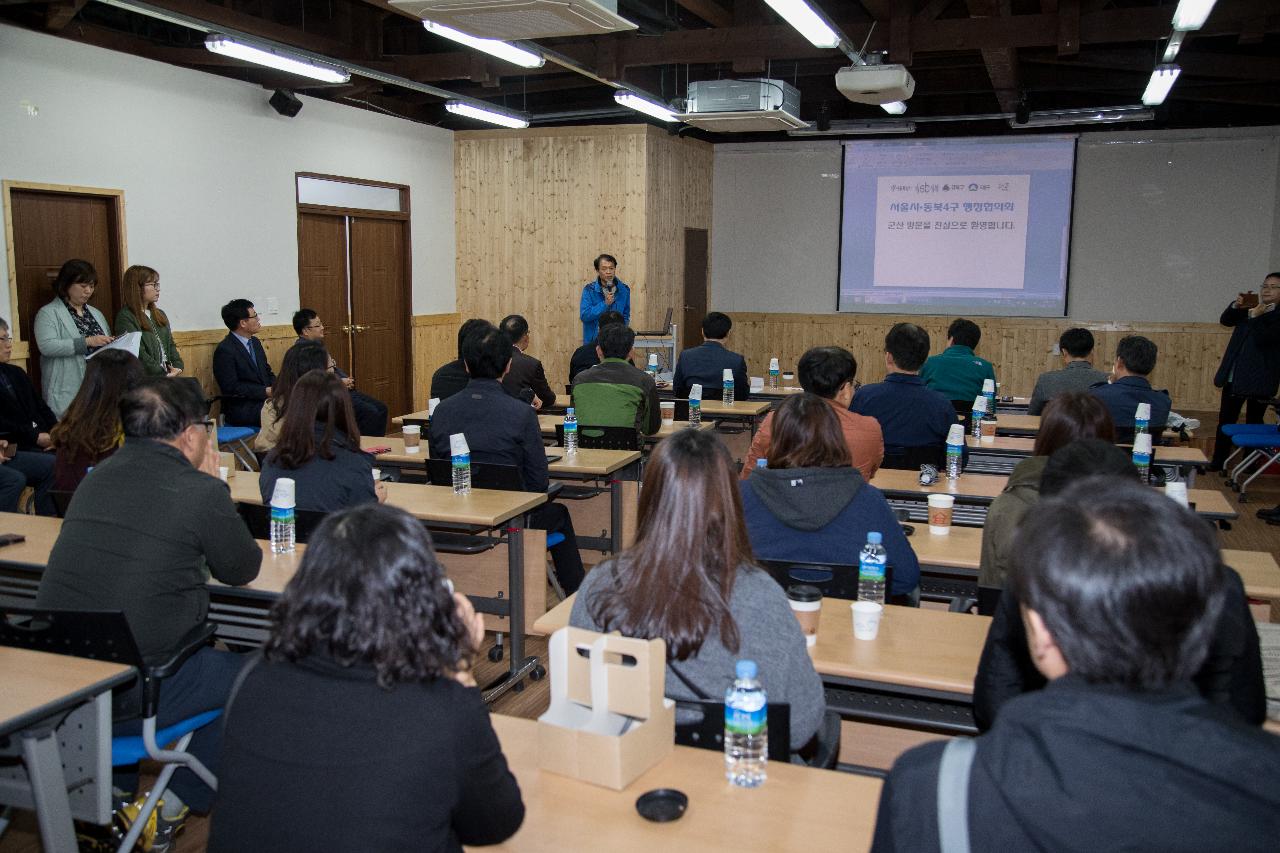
point(797, 808)
point(782, 392)
point(1000, 454)
point(547, 425)
point(1025, 425)
point(1013, 406)
point(58, 710)
point(749, 412)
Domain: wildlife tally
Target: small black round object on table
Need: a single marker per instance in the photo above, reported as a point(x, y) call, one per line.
point(662, 805)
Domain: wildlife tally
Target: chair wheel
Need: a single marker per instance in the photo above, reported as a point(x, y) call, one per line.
point(518, 688)
point(538, 673)
point(495, 653)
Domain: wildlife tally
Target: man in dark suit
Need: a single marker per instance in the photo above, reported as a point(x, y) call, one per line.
point(504, 431)
point(705, 365)
point(25, 422)
point(526, 379)
point(1135, 359)
point(1250, 370)
point(586, 356)
point(240, 366)
point(451, 377)
point(371, 413)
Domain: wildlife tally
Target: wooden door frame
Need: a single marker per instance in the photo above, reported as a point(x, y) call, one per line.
point(116, 198)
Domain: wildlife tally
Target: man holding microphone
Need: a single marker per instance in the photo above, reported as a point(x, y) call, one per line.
point(606, 293)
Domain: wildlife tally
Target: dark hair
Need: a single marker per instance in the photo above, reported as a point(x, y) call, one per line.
point(486, 355)
point(161, 408)
point(1077, 342)
point(469, 328)
point(515, 327)
point(610, 258)
point(676, 580)
point(825, 370)
point(807, 434)
point(302, 318)
point(369, 591)
point(610, 318)
point(965, 333)
point(716, 326)
point(1128, 582)
point(91, 426)
point(1070, 417)
point(615, 341)
point(319, 397)
point(1137, 354)
point(136, 278)
point(74, 271)
point(235, 311)
point(1271, 275)
point(300, 359)
point(908, 344)
point(1085, 458)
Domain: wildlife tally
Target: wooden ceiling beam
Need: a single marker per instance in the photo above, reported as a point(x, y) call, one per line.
point(261, 27)
point(1001, 62)
point(1069, 28)
point(900, 32)
point(708, 10)
point(60, 13)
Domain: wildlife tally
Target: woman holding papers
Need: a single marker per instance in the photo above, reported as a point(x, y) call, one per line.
point(156, 350)
point(66, 330)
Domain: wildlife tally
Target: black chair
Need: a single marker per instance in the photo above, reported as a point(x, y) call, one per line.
point(911, 458)
point(707, 732)
point(61, 501)
point(964, 410)
point(836, 580)
point(106, 636)
point(603, 437)
point(987, 602)
point(258, 519)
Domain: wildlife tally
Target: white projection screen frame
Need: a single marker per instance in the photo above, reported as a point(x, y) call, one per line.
point(957, 226)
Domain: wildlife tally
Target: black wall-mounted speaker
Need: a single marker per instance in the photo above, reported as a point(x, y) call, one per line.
point(285, 102)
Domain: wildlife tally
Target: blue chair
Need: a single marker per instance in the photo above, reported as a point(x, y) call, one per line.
point(1232, 430)
point(236, 440)
point(1263, 450)
point(105, 635)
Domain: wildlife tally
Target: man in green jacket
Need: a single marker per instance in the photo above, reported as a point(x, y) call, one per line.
point(956, 372)
point(613, 393)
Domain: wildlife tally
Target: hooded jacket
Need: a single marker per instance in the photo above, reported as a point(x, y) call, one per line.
point(823, 515)
point(1020, 494)
point(1094, 767)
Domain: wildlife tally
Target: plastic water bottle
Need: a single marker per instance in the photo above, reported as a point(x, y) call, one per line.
point(773, 373)
point(978, 414)
point(746, 728)
point(570, 432)
point(283, 521)
point(727, 395)
point(871, 569)
point(1142, 455)
point(652, 366)
point(460, 453)
point(955, 451)
point(989, 391)
point(695, 413)
point(1142, 418)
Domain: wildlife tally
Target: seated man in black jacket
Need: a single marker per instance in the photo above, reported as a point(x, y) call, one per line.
point(586, 356)
point(451, 377)
point(25, 422)
point(1121, 591)
point(503, 430)
point(525, 380)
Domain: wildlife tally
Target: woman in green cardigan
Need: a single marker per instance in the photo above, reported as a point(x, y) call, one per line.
point(140, 313)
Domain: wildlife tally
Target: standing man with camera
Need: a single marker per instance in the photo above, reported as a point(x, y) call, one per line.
point(1250, 369)
point(606, 293)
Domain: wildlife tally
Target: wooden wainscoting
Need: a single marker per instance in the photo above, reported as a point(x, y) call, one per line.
point(435, 341)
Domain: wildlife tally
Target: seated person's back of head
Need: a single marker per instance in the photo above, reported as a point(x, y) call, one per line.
point(367, 639)
point(614, 393)
point(90, 429)
point(689, 579)
point(451, 377)
point(1135, 359)
point(299, 360)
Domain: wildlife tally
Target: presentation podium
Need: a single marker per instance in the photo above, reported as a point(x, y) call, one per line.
point(664, 344)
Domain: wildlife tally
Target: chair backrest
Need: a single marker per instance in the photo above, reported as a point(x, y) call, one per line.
point(911, 458)
point(61, 501)
point(707, 732)
point(964, 408)
point(836, 580)
point(988, 600)
point(603, 437)
point(484, 475)
point(258, 519)
point(682, 410)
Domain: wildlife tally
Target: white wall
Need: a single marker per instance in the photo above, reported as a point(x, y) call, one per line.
point(207, 169)
point(1166, 225)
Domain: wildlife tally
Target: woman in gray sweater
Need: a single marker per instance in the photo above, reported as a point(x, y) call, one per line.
point(690, 579)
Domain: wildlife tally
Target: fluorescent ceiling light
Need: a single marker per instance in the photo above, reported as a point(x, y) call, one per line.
point(809, 23)
point(643, 105)
point(489, 114)
point(858, 128)
point(894, 108)
point(1104, 115)
point(1175, 44)
point(493, 47)
point(1191, 14)
point(1162, 80)
point(275, 58)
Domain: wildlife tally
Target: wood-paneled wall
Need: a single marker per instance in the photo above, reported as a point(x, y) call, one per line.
point(535, 207)
point(1020, 348)
point(435, 341)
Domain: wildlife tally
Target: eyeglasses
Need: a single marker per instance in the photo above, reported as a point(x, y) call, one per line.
point(155, 284)
point(317, 327)
point(209, 425)
point(7, 339)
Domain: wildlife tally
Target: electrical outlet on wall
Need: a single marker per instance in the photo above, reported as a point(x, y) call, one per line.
point(273, 305)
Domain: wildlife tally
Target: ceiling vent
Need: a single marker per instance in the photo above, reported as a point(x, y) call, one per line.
point(514, 20)
point(746, 121)
point(742, 106)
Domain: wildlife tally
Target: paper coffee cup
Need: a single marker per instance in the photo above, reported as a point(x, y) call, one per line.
point(695, 391)
point(727, 375)
point(806, 604)
point(377, 474)
point(866, 619)
point(1178, 492)
point(458, 445)
point(1142, 443)
point(757, 383)
point(653, 359)
point(940, 509)
point(412, 437)
point(284, 493)
point(988, 427)
point(224, 473)
point(1144, 412)
point(773, 364)
point(431, 406)
point(955, 435)
point(788, 377)
point(668, 412)
point(988, 386)
point(980, 405)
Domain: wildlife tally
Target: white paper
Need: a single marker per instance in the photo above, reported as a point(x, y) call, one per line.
point(129, 342)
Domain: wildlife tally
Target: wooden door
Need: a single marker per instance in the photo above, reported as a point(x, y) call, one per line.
point(322, 280)
point(695, 287)
point(50, 228)
point(380, 310)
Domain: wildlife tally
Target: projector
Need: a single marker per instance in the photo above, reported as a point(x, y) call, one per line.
point(875, 84)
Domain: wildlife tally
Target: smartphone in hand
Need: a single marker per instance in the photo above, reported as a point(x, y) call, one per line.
point(1248, 299)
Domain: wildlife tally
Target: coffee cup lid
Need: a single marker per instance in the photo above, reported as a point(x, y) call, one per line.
point(458, 445)
point(942, 500)
point(412, 429)
point(804, 592)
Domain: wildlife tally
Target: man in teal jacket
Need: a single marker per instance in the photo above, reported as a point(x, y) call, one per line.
point(956, 372)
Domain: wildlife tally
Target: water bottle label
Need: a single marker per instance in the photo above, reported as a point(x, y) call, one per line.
point(740, 722)
point(954, 450)
point(282, 513)
point(571, 426)
point(462, 461)
point(871, 571)
point(1140, 426)
point(1142, 460)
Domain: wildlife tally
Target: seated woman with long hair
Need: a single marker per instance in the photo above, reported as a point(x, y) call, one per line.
point(319, 449)
point(811, 506)
point(1068, 417)
point(360, 726)
point(302, 357)
point(690, 580)
point(90, 430)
